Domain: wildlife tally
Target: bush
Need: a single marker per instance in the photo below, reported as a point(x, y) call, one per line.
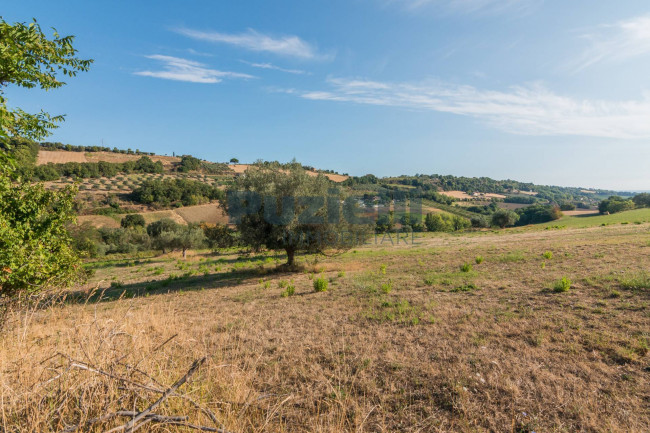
point(444, 222)
point(320, 284)
point(615, 204)
point(562, 285)
point(567, 206)
point(465, 267)
point(479, 260)
point(548, 255)
point(504, 218)
point(480, 221)
point(132, 221)
point(538, 214)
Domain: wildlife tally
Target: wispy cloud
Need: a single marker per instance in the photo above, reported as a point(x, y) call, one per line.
point(471, 6)
point(274, 67)
point(615, 42)
point(291, 46)
point(179, 69)
point(529, 110)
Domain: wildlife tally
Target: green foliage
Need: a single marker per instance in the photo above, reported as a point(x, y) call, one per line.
point(504, 218)
point(567, 206)
point(289, 291)
point(35, 247)
point(386, 288)
point(548, 255)
point(562, 285)
point(478, 260)
point(29, 59)
point(538, 214)
point(272, 226)
point(443, 222)
point(615, 204)
point(132, 221)
point(219, 236)
point(320, 284)
point(639, 281)
point(641, 200)
point(465, 267)
point(175, 191)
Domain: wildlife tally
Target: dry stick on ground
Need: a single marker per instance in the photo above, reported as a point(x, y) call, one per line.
point(147, 415)
point(132, 425)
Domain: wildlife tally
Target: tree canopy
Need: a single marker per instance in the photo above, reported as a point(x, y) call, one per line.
point(29, 59)
point(282, 207)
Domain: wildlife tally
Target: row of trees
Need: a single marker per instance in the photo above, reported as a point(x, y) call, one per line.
point(165, 235)
point(616, 203)
point(48, 145)
point(177, 192)
point(84, 170)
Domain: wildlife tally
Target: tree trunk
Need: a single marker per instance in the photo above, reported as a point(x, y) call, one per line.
point(290, 256)
point(184, 251)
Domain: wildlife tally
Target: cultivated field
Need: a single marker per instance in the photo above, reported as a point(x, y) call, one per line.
point(404, 339)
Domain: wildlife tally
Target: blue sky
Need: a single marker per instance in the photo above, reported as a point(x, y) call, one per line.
point(543, 91)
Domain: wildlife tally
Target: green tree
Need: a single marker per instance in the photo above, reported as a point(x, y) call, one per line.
point(219, 235)
point(132, 221)
point(642, 200)
point(29, 59)
point(162, 234)
point(35, 247)
point(288, 209)
point(615, 204)
point(504, 218)
point(188, 237)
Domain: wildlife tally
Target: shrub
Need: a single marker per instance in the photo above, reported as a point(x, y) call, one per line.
point(504, 218)
point(465, 267)
point(548, 255)
point(615, 204)
point(282, 284)
point(320, 284)
point(562, 285)
point(132, 221)
point(538, 214)
point(382, 269)
point(478, 260)
point(387, 287)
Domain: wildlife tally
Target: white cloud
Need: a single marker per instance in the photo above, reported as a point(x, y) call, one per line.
point(529, 110)
point(291, 46)
point(274, 67)
point(615, 42)
point(472, 6)
point(179, 69)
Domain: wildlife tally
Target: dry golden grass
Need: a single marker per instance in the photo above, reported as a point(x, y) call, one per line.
point(241, 168)
point(209, 213)
point(59, 157)
point(63, 156)
point(403, 340)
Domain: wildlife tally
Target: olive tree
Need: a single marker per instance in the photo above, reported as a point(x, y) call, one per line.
point(282, 207)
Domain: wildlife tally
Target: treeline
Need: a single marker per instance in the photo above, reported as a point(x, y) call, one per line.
point(85, 170)
point(615, 203)
point(189, 163)
point(164, 235)
point(48, 145)
point(175, 192)
point(421, 183)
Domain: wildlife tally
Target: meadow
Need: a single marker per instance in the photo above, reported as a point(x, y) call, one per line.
point(520, 330)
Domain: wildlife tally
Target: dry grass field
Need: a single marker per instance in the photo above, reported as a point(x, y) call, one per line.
point(406, 338)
